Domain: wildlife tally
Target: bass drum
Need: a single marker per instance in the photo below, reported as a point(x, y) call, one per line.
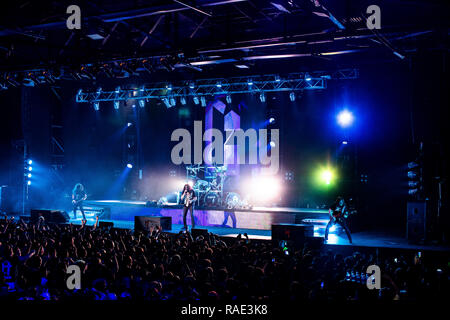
point(211, 199)
point(232, 200)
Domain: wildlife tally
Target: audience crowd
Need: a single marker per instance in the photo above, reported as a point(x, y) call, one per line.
point(118, 264)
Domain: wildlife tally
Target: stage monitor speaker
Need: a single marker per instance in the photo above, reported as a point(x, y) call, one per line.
point(143, 223)
point(200, 232)
point(416, 221)
point(105, 224)
point(50, 216)
point(296, 233)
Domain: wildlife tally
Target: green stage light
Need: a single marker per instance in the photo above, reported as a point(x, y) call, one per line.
point(325, 176)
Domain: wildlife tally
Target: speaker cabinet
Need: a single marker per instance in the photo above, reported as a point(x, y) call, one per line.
point(416, 221)
point(296, 233)
point(50, 216)
point(143, 223)
point(200, 232)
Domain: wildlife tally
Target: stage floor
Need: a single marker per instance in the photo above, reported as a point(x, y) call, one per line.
point(372, 239)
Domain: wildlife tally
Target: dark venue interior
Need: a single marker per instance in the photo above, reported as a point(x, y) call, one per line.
point(356, 117)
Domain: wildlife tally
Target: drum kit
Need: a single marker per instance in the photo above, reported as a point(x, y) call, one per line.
point(210, 190)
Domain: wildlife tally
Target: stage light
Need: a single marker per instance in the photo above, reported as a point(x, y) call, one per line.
point(173, 102)
point(30, 162)
point(99, 90)
point(129, 124)
point(412, 174)
point(292, 96)
point(183, 101)
point(29, 182)
point(412, 165)
point(142, 103)
point(263, 189)
point(30, 168)
point(191, 85)
point(116, 104)
point(277, 78)
point(345, 118)
point(196, 100)
point(29, 175)
point(262, 97)
point(96, 106)
point(327, 176)
point(228, 99)
point(129, 166)
point(250, 82)
point(219, 85)
point(142, 89)
point(166, 102)
point(272, 120)
point(203, 101)
point(117, 90)
point(272, 144)
point(345, 142)
point(169, 87)
point(307, 77)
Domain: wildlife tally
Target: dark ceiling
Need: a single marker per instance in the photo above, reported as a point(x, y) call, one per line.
point(137, 38)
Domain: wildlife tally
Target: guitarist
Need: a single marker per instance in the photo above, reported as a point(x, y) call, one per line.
point(78, 196)
point(338, 214)
point(188, 197)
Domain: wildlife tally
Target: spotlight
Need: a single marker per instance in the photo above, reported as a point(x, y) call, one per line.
point(345, 142)
point(129, 166)
point(142, 89)
point(292, 96)
point(307, 77)
point(196, 100)
point(228, 99)
point(272, 144)
point(167, 103)
point(29, 182)
point(116, 104)
point(272, 120)
point(30, 162)
point(219, 85)
point(263, 188)
point(183, 101)
point(96, 106)
point(30, 168)
point(262, 97)
point(142, 103)
point(169, 87)
point(250, 82)
point(277, 78)
point(191, 85)
point(117, 90)
point(345, 118)
point(129, 124)
point(326, 176)
point(99, 90)
point(203, 101)
point(29, 175)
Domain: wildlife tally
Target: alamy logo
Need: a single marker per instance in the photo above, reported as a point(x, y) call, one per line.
point(74, 20)
point(374, 18)
point(374, 280)
point(74, 280)
point(258, 147)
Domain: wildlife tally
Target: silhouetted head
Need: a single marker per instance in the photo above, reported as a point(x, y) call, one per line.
point(78, 187)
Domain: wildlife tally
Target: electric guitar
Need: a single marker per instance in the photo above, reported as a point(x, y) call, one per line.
point(188, 199)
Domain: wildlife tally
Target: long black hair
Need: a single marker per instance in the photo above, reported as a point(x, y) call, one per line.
point(78, 187)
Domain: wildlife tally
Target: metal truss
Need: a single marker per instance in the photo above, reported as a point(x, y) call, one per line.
point(221, 86)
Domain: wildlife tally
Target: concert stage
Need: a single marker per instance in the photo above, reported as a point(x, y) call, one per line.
point(257, 218)
point(255, 222)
